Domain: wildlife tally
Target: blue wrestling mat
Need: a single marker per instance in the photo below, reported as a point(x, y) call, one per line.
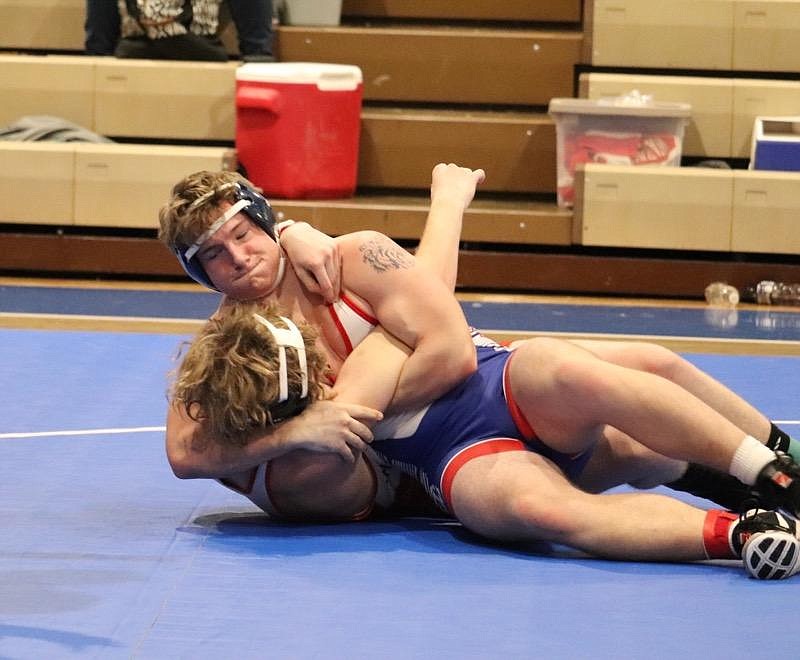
point(107, 555)
point(760, 324)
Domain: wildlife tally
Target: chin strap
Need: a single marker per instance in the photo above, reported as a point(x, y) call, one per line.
point(279, 275)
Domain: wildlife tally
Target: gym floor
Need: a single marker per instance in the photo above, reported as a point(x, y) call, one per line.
point(107, 555)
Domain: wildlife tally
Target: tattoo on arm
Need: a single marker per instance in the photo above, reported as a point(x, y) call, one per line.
point(383, 255)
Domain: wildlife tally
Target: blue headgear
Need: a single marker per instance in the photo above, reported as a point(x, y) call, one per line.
point(246, 200)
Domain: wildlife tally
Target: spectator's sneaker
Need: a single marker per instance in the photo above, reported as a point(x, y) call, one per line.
point(778, 484)
point(767, 543)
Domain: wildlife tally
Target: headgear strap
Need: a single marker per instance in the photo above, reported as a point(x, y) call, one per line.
point(288, 337)
point(281, 269)
point(202, 198)
point(214, 228)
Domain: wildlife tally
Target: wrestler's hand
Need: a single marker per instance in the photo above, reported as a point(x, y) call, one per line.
point(455, 183)
point(315, 258)
point(330, 426)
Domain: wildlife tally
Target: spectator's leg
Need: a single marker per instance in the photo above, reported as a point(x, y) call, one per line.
point(253, 20)
point(101, 28)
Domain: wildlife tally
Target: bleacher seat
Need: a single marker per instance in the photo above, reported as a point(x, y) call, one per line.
point(44, 25)
point(685, 208)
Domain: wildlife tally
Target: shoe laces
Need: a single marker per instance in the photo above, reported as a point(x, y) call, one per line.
point(750, 508)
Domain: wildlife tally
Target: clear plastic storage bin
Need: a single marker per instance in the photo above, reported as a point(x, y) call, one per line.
point(626, 130)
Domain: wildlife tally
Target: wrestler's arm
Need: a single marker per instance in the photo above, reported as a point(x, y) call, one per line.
point(315, 258)
point(325, 426)
point(415, 308)
point(370, 374)
point(452, 191)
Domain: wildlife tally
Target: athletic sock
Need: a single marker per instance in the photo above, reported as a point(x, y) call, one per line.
point(781, 441)
point(719, 487)
point(750, 459)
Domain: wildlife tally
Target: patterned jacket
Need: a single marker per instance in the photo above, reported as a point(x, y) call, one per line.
point(157, 19)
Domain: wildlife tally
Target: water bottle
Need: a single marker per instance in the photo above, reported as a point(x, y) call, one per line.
point(721, 294)
point(769, 292)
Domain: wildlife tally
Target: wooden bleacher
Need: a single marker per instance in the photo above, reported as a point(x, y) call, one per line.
point(42, 25)
point(731, 35)
point(688, 209)
point(399, 146)
point(567, 11)
point(465, 82)
point(445, 65)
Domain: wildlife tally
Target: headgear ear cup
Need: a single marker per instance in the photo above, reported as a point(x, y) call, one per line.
point(257, 209)
point(194, 270)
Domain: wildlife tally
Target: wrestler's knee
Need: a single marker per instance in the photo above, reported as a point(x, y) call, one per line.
point(547, 366)
point(560, 388)
point(543, 350)
point(655, 359)
point(545, 519)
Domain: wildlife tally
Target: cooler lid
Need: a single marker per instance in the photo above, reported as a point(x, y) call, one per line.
point(620, 105)
point(328, 77)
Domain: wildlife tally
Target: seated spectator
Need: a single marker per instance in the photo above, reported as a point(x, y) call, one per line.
point(177, 29)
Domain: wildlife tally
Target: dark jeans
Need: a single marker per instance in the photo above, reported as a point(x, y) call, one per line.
point(253, 20)
point(101, 29)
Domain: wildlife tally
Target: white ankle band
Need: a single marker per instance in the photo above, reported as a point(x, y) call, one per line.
point(749, 459)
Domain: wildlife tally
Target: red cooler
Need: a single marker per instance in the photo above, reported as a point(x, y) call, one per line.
point(297, 127)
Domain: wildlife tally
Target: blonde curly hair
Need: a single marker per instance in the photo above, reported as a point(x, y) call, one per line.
point(193, 206)
point(228, 377)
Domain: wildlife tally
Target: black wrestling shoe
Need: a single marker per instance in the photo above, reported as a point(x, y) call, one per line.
point(778, 484)
point(767, 543)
